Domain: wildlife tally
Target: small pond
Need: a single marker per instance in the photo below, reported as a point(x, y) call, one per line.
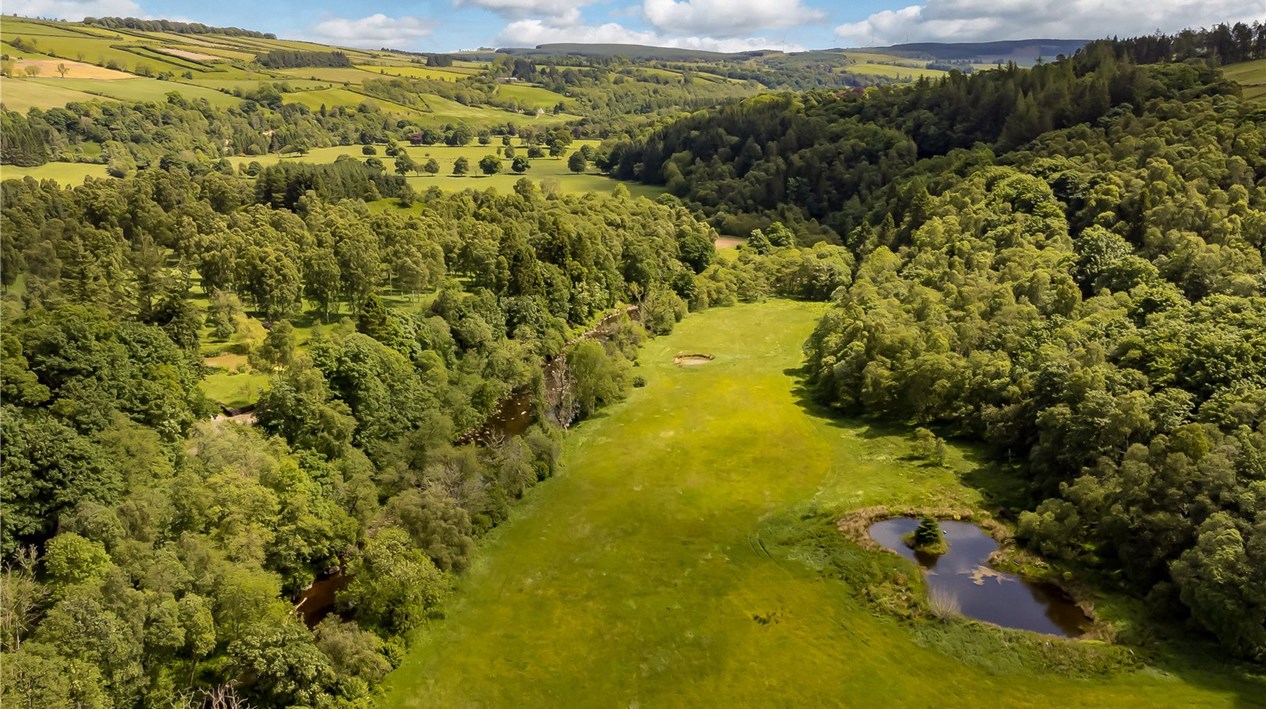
point(982, 592)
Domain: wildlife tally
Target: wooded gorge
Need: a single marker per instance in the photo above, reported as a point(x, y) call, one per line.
point(1062, 264)
point(1066, 263)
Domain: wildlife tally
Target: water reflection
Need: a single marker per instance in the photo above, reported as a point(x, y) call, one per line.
point(983, 592)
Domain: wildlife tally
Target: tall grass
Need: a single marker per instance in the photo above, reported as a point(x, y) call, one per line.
point(943, 604)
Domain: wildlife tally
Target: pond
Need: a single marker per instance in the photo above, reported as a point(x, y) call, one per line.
point(982, 592)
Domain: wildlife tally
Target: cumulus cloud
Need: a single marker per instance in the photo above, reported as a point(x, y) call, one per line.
point(726, 18)
point(531, 32)
point(371, 32)
point(74, 10)
point(518, 9)
point(983, 20)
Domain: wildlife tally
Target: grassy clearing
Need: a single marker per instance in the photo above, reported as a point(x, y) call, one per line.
point(530, 96)
point(677, 562)
point(67, 173)
point(545, 168)
point(234, 390)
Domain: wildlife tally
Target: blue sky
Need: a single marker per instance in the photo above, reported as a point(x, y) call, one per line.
point(724, 25)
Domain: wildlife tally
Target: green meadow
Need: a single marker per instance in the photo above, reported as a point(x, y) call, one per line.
point(678, 561)
point(1251, 76)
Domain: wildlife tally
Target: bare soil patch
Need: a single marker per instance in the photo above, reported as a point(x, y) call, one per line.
point(692, 360)
point(729, 242)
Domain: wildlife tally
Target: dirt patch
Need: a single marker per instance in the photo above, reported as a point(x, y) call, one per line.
point(729, 242)
point(186, 54)
point(227, 361)
point(75, 70)
point(692, 360)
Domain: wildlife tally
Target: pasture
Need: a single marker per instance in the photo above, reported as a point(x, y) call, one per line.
point(138, 89)
point(681, 559)
point(67, 173)
point(25, 94)
point(1251, 76)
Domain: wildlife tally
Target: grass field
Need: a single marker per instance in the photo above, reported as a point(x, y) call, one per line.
point(1251, 76)
point(891, 71)
point(69, 173)
point(415, 71)
point(530, 96)
point(24, 94)
point(139, 89)
point(642, 576)
point(545, 168)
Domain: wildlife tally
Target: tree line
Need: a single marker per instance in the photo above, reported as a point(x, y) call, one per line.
point(815, 159)
point(294, 58)
point(175, 26)
point(1064, 263)
point(151, 554)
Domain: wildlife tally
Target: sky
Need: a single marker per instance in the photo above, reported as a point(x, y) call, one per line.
point(718, 25)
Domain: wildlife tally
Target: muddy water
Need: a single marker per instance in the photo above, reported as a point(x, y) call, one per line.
point(982, 592)
point(318, 600)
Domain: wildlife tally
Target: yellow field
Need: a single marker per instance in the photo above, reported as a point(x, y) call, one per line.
point(891, 71)
point(416, 71)
point(47, 68)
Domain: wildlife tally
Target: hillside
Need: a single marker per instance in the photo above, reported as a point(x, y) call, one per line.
point(1023, 52)
point(136, 65)
point(334, 378)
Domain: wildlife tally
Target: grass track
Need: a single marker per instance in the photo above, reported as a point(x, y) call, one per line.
point(633, 578)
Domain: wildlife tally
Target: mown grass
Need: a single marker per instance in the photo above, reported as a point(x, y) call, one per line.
point(67, 173)
point(140, 89)
point(687, 557)
point(1251, 76)
point(530, 96)
point(24, 94)
point(415, 71)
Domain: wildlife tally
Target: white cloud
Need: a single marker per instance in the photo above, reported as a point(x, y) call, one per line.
point(74, 10)
point(529, 33)
point(518, 9)
point(726, 18)
point(372, 32)
point(985, 20)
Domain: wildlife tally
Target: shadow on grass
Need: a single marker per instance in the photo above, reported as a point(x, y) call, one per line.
point(1003, 486)
point(1165, 643)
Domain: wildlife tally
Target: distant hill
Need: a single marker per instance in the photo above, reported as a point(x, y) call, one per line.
point(1020, 51)
point(631, 51)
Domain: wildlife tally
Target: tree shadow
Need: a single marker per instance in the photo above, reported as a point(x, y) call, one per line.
point(1003, 486)
point(1165, 644)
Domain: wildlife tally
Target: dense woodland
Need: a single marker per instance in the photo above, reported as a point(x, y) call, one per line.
point(152, 552)
point(161, 25)
point(1066, 263)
